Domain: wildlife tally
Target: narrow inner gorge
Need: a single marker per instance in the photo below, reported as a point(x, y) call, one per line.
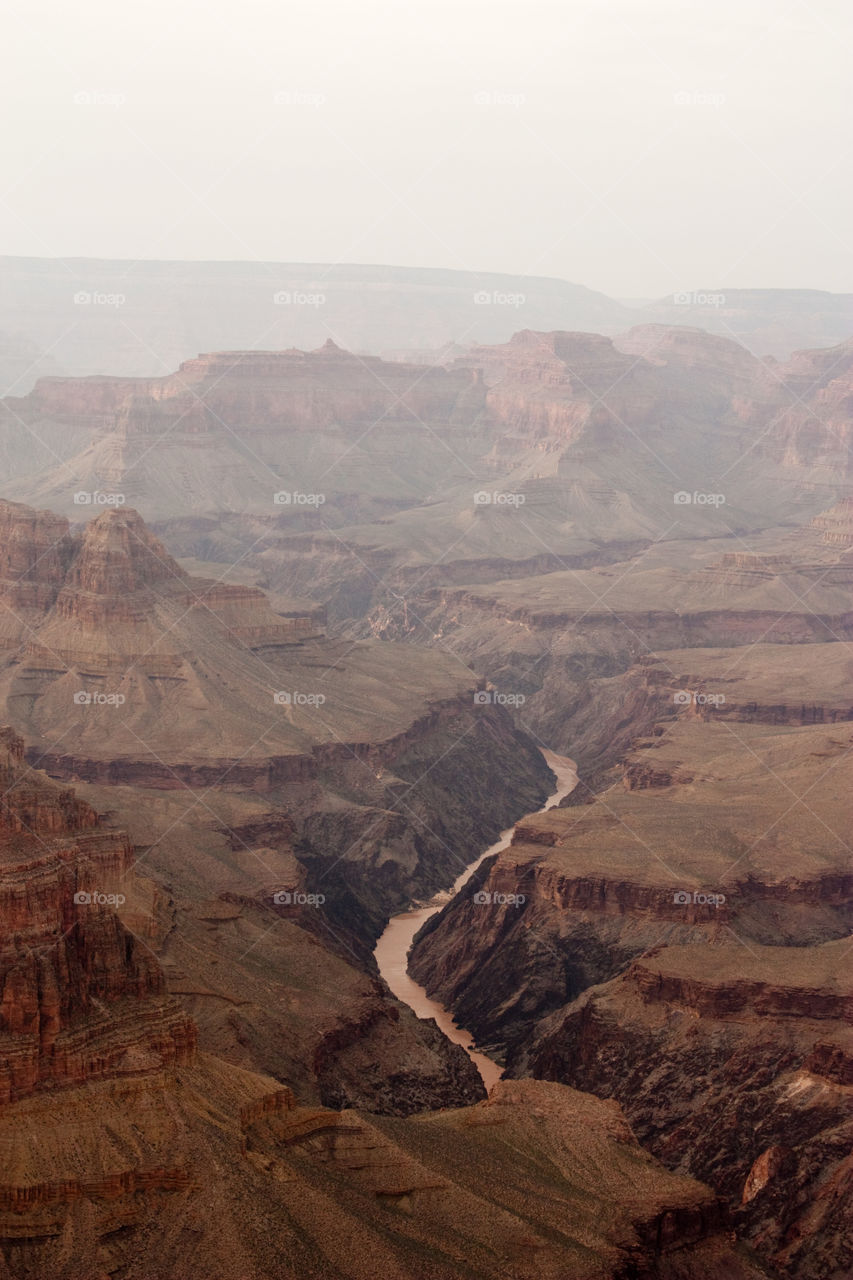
point(392, 949)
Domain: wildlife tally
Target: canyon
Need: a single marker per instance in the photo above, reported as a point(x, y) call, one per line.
point(273, 727)
point(267, 771)
point(115, 1127)
point(392, 949)
point(681, 941)
point(553, 450)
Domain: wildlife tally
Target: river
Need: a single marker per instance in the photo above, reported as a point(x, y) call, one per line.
point(392, 949)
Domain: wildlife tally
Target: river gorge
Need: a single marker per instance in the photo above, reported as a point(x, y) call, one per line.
point(392, 949)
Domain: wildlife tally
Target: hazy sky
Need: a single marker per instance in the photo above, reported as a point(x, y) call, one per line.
point(637, 146)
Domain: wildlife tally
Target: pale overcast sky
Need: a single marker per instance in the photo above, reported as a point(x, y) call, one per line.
point(636, 146)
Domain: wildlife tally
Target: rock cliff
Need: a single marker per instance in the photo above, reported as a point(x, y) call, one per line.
point(734, 1063)
point(81, 997)
point(688, 849)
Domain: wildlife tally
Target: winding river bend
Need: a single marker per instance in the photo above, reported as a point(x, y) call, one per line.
point(392, 949)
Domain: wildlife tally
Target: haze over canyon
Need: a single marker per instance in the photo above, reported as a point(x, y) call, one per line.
point(426, 643)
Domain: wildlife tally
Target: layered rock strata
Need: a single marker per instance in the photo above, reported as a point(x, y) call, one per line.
point(81, 997)
point(735, 1064)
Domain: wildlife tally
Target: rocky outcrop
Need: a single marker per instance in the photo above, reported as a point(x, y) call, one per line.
point(718, 998)
point(551, 385)
point(34, 552)
point(732, 1064)
point(130, 1175)
point(403, 1168)
point(352, 1060)
point(589, 649)
point(814, 428)
point(177, 672)
point(81, 997)
point(836, 525)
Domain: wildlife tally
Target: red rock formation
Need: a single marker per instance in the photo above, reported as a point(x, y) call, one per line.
point(34, 552)
point(813, 424)
point(81, 998)
point(734, 1063)
point(700, 843)
point(836, 524)
point(551, 384)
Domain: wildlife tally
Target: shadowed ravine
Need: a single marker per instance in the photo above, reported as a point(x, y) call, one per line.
point(392, 949)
